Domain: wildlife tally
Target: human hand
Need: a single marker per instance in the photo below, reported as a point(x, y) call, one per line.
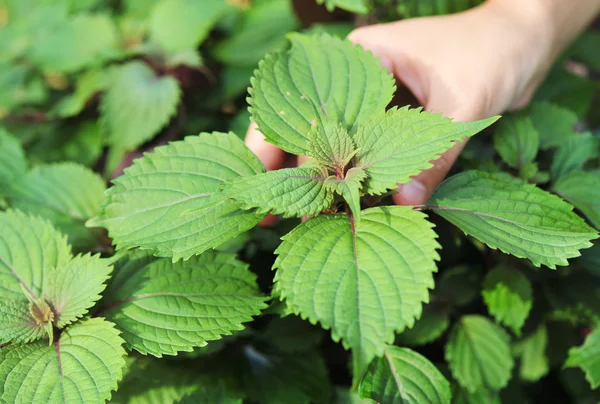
point(467, 66)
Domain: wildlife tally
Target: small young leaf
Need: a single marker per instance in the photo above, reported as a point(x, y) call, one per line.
point(509, 297)
point(84, 40)
point(292, 191)
point(135, 107)
point(518, 218)
point(460, 285)
point(354, 6)
point(554, 123)
point(532, 351)
point(84, 365)
point(164, 308)
point(89, 83)
point(582, 189)
point(293, 90)
point(434, 321)
point(349, 189)
point(362, 282)
point(67, 194)
point(587, 357)
point(478, 353)
point(573, 153)
point(17, 324)
point(403, 143)
point(183, 24)
point(331, 145)
point(29, 249)
point(73, 288)
point(147, 206)
point(257, 34)
point(404, 376)
point(517, 141)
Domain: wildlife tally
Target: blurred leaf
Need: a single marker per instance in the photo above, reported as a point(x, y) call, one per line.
point(13, 164)
point(587, 357)
point(434, 321)
point(575, 299)
point(532, 351)
point(460, 285)
point(554, 123)
point(87, 84)
point(257, 34)
point(567, 90)
point(339, 29)
point(582, 189)
point(517, 141)
point(355, 6)
point(572, 154)
point(291, 334)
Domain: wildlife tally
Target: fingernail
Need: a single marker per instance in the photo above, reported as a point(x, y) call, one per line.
point(413, 193)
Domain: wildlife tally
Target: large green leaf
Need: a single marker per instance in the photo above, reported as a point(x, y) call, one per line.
point(17, 323)
point(136, 106)
point(582, 189)
point(509, 297)
point(478, 353)
point(164, 307)
point(83, 366)
point(84, 40)
point(404, 376)
point(587, 357)
point(291, 191)
point(572, 154)
point(29, 249)
point(554, 123)
point(12, 161)
point(73, 288)
point(183, 24)
point(363, 282)
point(532, 352)
point(404, 142)
point(257, 34)
point(321, 76)
point(518, 218)
point(147, 206)
point(517, 141)
point(67, 194)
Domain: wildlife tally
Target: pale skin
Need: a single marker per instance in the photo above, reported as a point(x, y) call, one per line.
point(468, 66)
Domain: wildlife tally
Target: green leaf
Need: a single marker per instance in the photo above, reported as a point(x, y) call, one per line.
point(17, 324)
point(146, 207)
point(355, 6)
point(73, 288)
point(292, 90)
point(88, 84)
point(211, 394)
point(587, 357)
point(84, 365)
point(460, 285)
point(404, 376)
point(291, 191)
point(29, 249)
point(136, 106)
point(183, 24)
point(463, 396)
point(532, 351)
point(508, 296)
point(331, 145)
point(67, 194)
point(574, 299)
point(573, 153)
point(349, 188)
point(434, 321)
point(517, 141)
point(292, 334)
point(273, 377)
point(582, 189)
point(518, 218)
point(164, 307)
point(567, 90)
point(553, 123)
point(82, 41)
point(403, 143)
point(12, 161)
point(257, 34)
point(362, 282)
point(478, 353)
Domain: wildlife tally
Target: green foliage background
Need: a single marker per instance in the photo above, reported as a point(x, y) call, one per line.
point(88, 86)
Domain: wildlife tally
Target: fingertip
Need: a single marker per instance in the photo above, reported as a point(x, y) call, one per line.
point(271, 156)
point(412, 194)
point(302, 160)
point(269, 220)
